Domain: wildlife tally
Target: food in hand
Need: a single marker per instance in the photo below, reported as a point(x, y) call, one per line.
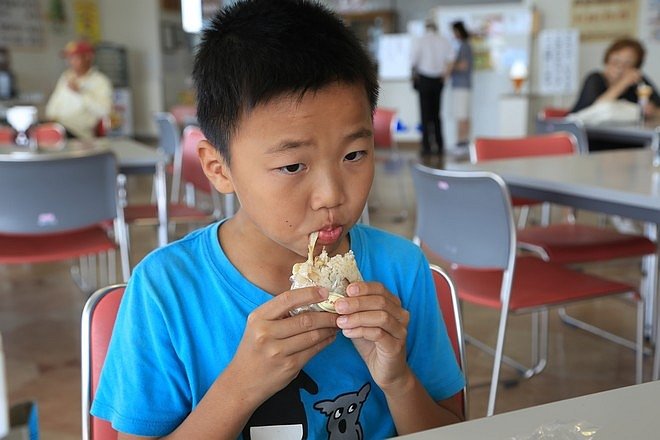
point(334, 273)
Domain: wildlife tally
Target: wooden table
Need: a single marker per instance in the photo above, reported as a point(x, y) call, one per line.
point(624, 413)
point(619, 182)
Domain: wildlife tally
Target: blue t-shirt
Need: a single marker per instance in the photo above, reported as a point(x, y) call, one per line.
point(183, 315)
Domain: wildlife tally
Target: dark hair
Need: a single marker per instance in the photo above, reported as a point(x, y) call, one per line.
point(625, 43)
point(257, 50)
point(459, 27)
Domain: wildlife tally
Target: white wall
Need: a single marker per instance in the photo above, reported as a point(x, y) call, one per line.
point(136, 25)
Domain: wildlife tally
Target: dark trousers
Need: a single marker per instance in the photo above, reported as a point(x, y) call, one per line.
point(430, 91)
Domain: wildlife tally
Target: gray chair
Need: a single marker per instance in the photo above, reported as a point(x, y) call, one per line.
point(60, 206)
point(169, 142)
point(576, 128)
point(465, 220)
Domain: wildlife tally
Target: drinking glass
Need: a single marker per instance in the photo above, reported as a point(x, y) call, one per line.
point(21, 117)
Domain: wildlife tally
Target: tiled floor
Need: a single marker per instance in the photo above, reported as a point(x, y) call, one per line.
point(40, 310)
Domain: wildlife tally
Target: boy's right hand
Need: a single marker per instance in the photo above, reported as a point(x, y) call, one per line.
point(276, 346)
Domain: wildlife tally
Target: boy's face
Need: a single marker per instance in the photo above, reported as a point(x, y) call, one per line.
point(300, 165)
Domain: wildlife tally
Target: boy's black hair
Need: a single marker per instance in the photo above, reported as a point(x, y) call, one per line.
point(257, 50)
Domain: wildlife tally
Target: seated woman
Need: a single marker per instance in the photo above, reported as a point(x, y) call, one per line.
point(619, 79)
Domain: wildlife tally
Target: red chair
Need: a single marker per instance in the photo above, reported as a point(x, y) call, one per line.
point(98, 321)
point(569, 243)
point(503, 148)
point(102, 127)
point(194, 180)
point(384, 128)
point(451, 315)
point(465, 219)
point(7, 135)
point(48, 135)
point(554, 112)
point(184, 114)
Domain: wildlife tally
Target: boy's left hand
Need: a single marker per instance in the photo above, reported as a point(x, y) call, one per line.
point(374, 319)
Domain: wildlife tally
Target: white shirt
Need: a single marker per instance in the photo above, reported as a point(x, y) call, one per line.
point(432, 54)
point(79, 112)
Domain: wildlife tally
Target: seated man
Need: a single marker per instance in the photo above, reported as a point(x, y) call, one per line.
point(83, 95)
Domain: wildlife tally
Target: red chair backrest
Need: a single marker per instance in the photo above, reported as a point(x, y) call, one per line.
point(448, 301)
point(7, 135)
point(184, 114)
point(384, 127)
point(101, 323)
point(102, 127)
point(48, 135)
point(554, 112)
point(191, 169)
point(539, 145)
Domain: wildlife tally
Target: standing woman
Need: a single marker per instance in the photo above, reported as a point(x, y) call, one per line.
point(461, 82)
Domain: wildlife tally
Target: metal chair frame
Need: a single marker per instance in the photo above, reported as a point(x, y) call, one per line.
point(87, 345)
point(458, 326)
point(494, 248)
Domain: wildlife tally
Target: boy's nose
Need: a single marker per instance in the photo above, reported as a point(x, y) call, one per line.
point(328, 190)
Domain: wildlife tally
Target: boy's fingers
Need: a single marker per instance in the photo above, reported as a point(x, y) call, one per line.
point(363, 288)
point(280, 306)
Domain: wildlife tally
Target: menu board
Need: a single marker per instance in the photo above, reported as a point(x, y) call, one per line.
point(21, 23)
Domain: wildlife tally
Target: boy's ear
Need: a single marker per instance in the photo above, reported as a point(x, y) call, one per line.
point(215, 167)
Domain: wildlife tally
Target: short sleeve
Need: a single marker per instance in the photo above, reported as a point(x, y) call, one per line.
point(594, 86)
point(143, 388)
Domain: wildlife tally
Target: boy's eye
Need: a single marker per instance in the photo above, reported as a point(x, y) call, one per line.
point(355, 155)
point(292, 169)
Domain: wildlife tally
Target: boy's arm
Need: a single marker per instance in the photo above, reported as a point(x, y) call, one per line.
point(273, 350)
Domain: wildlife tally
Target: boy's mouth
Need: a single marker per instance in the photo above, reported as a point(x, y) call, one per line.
point(329, 234)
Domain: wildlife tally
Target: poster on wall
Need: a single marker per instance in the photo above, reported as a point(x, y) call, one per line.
point(604, 19)
point(654, 19)
point(558, 51)
point(21, 24)
point(86, 20)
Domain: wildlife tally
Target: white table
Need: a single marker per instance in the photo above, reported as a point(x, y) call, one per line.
point(619, 182)
point(625, 413)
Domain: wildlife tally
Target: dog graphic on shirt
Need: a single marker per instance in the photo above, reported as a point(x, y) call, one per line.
point(344, 414)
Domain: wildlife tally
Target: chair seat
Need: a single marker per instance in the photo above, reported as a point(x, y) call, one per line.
point(148, 214)
point(536, 284)
point(567, 243)
point(21, 249)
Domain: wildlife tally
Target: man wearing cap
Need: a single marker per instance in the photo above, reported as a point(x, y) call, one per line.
point(82, 95)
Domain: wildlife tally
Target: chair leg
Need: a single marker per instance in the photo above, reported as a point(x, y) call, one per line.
point(639, 349)
point(497, 362)
point(522, 218)
point(539, 343)
point(545, 214)
point(570, 320)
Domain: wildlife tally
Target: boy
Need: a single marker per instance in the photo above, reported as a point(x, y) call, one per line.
point(204, 346)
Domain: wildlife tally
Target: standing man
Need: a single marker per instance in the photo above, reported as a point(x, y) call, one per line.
point(83, 95)
point(432, 56)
